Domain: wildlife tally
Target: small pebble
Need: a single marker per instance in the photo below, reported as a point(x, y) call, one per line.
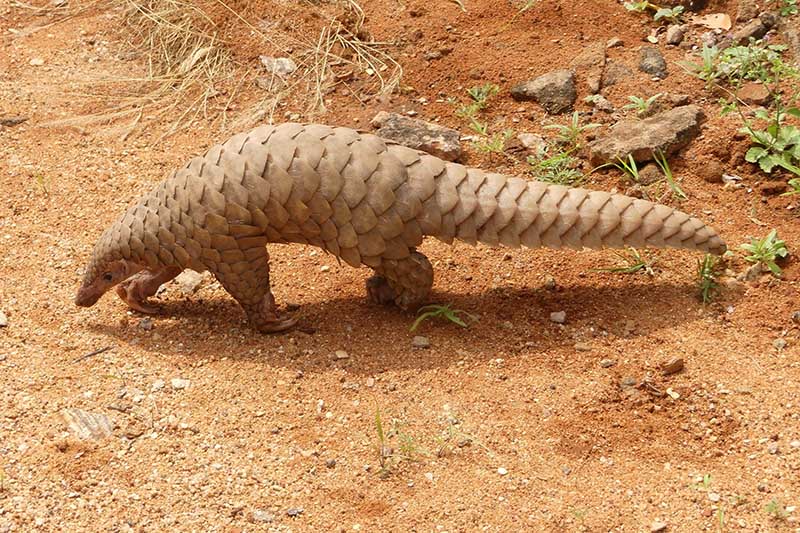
point(37, 62)
point(713, 496)
point(779, 343)
point(795, 444)
point(262, 516)
point(796, 317)
point(146, 324)
point(429, 476)
point(420, 342)
point(607, 363)
point(773, 448)
point(341, 354)
point(294, 511)
point(324, 268)
point(657, 527)
point(330, 463)
point(502, 471)
point(179, 384)
point(3, 320)
point(583, 347)
point(157, 385)
point(628, 382)
point(559, 317)
point(673, 366)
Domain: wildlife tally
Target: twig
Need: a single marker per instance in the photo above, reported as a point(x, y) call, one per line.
point(92, 354)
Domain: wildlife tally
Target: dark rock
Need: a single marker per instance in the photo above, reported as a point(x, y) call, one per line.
point(652, 62)
point(668, 131)
point(418, 134)
point(756, 28)
point(792, 38)
point(10, 121)
point(650, 174)
point(554, 91)
point(614, 73)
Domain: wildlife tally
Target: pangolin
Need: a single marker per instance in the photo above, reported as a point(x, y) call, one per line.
point(366, 200)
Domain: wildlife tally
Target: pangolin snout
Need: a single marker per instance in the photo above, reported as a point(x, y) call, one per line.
point(86, 298)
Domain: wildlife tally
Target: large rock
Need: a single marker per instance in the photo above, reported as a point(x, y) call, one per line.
point(756, 28)
point(668, 131)
point(589, 64)
point(554, 91)
point(614, 73)
point(418, 134)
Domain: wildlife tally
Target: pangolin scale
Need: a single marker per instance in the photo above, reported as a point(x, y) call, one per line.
point(364, 199)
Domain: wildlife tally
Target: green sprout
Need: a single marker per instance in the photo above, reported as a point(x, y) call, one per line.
point(766, 251)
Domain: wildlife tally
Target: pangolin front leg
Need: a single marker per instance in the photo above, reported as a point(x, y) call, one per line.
point(248, 283)
point(405, 282)
point(137, 289)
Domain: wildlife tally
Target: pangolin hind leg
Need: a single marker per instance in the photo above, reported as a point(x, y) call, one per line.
point(138, 288)
point(405, 282)
point(248, 282)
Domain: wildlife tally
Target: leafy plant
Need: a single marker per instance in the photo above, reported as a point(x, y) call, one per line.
point(441, 311)
point(778, 144)
point(789, 8)
point(640, 104)
point(766, 251)
point(755, 62)
point(707, 272)
point(672, 14)
point(632, 262)
point(776, 510)
point(480, 95)
point(661, 161)
point(561, 168)
point(570, 134)
point(407, 447)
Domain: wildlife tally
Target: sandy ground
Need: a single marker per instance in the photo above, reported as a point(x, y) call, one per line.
point(514, 424)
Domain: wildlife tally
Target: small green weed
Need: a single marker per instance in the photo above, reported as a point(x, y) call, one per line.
point(670, 14)
point(479, 95)
point(707, 272)
point(661, 161)
point(766, 251)
point(561, 168)
point(408, 449)
point(776, 510)
point(494, 143)
point(441, 311)
point(789, 8)
point(629, 168)
point(641, 105)
point(570, 134)
point(707, 69)
point(633, 261)
point(794, 187)
point(704, 485)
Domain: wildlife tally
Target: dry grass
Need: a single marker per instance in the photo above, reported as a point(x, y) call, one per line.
point(189, 68)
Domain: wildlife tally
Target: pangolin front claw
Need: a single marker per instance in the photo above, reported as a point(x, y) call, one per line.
point(128, 293)
point(276, 324)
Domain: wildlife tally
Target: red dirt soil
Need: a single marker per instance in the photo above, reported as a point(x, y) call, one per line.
point(532, 432)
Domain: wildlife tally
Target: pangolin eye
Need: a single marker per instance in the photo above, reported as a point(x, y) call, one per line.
point(108, 276)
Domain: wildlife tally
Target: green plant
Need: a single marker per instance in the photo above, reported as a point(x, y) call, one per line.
point(632, 262)
point(494, 143)
point(757, 61)
point(671, 14)
point(561, 168)
point(704, 485)
point(778, 144)
point(42, 182)
point(766, 251)
point(707, 272)
point(661, 161)
point(788, 8)
point(629, 168)
point(441, 311)
point(479, 95)
point(794, 186)
point(707, 69)
point(776, 510)
point(570, 134)
point(640, 104)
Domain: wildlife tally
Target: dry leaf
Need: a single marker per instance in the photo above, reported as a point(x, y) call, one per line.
point(715, 21)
